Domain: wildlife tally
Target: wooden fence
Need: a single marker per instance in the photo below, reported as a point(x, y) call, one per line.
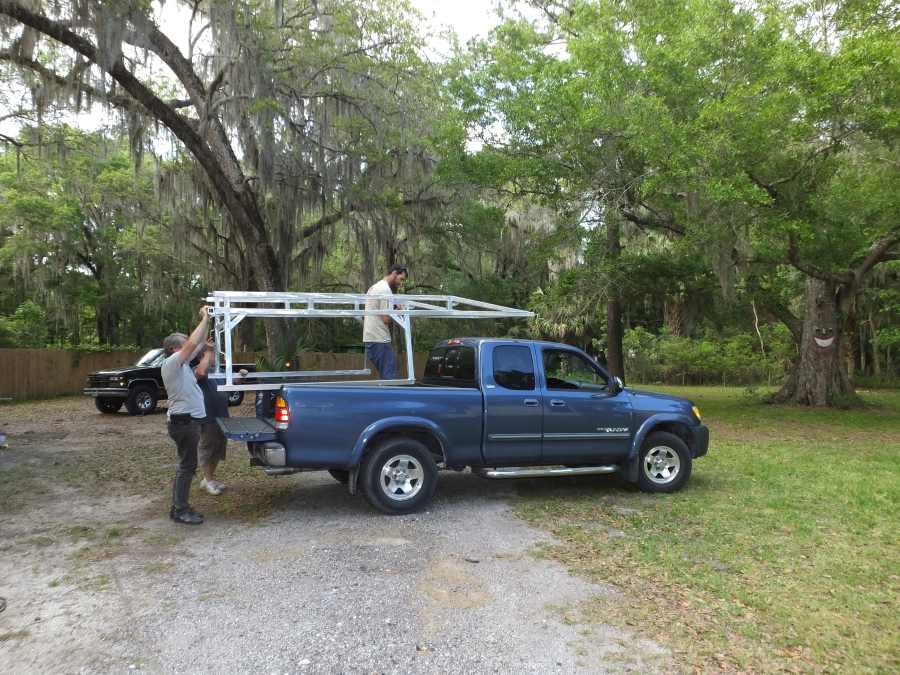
point(42, 373)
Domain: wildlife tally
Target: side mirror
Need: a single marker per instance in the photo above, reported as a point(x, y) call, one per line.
point(615, 385)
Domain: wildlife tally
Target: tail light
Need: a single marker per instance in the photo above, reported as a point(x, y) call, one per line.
point(282, 414)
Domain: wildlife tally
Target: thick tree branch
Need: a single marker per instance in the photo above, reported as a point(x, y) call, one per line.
point(650, 220)
point(793, 256)
point(242, 207)
point(879, 253)
point(72, 80)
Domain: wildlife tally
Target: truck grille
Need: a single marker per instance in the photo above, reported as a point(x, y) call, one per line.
point(102, 381)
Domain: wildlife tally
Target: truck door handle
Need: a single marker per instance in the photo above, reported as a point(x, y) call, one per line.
point(556, 403)
point(531, 402)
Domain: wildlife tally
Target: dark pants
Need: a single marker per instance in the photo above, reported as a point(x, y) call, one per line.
point(186, 436)
point(381, 354)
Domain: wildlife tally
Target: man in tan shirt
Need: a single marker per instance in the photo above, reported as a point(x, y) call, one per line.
point(377, 329)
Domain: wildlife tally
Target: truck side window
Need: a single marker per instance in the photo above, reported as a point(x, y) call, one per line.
point(568, 370)
point(513, 367)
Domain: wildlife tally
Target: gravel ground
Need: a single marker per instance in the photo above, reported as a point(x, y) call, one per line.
point(320, 584)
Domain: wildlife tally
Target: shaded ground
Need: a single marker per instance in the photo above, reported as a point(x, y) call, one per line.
point(289, 574)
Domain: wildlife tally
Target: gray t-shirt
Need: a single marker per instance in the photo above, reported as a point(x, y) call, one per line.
point(185, 395)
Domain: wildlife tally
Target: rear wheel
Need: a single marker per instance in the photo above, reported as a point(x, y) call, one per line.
point(235, 398)
point(665, 463)
point(340, 475)
point(399, 476)
point(108, 406)
point(141, 400)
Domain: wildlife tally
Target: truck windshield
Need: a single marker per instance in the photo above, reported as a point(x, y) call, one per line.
point(151, 358)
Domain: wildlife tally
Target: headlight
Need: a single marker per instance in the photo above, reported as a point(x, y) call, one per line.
point(696, 412)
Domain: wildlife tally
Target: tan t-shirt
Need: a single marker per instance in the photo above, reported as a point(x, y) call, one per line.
point(374, 328)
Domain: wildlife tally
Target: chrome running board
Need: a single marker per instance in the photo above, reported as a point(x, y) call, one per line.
point(542, 471)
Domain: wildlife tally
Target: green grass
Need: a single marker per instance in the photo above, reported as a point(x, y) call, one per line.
point(781, 554)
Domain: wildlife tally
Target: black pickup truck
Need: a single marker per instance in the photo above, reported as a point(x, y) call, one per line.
point(139, 387)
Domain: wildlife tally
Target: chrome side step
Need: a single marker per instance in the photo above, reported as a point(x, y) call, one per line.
point(542, 471)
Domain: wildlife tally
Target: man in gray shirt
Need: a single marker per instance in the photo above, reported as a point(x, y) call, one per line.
point(186, 413)
point(377, 328)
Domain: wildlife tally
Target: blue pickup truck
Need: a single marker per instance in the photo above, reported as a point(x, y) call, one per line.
point(504, 408)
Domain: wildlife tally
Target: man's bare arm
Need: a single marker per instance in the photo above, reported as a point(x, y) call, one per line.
point(196, 339)
point(203, 367)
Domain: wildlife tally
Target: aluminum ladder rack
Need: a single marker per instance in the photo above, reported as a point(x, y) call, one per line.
point(229, 308)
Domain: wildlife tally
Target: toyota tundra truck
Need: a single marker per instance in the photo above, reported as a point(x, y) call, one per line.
point(503, 408)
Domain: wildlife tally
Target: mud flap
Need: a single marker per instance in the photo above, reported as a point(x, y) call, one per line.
point(630, 469)
point(354, 476)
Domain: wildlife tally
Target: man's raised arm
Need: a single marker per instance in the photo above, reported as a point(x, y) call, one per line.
point(197, 339)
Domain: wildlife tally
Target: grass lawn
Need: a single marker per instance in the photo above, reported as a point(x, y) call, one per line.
point(781, 554)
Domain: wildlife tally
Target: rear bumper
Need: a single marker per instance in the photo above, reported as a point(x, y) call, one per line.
point(701, 440)
point(106, 392)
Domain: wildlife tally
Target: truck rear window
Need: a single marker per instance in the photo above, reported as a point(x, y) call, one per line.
point(451, 366)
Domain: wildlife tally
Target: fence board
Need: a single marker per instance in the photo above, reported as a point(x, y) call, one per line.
point(42, 373)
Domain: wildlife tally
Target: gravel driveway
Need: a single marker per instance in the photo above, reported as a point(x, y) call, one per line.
point(320, 584)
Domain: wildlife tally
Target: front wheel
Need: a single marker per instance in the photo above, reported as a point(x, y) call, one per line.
point(665, 463)
point(108, 406)
point(235, 398)
point(141, 401)
point(399, 476)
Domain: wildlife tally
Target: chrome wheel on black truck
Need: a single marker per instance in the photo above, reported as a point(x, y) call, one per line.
point(108, 406)
point(399, 476)
point(141, 400)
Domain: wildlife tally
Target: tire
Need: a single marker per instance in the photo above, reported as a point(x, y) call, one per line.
point(142, 400)
point(340, 475)
point(664, 463)
point(108, 406)
point(235, 398)
point(399, 476)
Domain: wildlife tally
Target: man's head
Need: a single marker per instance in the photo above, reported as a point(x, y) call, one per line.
point(396, 276)
point(174, 343)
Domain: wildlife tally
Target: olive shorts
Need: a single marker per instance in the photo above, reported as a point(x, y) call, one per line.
point(212, 444)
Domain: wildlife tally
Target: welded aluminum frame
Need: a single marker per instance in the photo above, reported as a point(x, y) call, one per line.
point(229, 308)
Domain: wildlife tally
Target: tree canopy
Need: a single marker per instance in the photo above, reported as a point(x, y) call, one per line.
point(708, 171)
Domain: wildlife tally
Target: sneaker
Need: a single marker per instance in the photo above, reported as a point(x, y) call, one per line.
point(186, 516)
point(219, 485)
point(211, 486)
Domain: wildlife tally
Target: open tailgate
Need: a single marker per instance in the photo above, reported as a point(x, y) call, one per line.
point(248, 429)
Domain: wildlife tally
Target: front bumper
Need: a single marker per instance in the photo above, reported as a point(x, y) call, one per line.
point(106, 392)
point(701, 440)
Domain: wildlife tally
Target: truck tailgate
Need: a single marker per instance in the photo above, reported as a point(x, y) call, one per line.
point(250, 429)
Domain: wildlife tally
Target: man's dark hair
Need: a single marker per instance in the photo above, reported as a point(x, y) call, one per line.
point(398, 269)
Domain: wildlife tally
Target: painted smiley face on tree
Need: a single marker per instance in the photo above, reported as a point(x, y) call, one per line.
point(824, 337)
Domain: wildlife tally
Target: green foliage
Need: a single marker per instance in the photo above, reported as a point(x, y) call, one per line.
point(27, 327)
point(736, 359)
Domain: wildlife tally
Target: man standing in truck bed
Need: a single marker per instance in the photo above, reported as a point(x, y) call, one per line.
point(377, 329)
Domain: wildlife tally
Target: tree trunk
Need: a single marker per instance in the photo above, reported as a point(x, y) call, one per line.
point(819, 378)
point(674, 315)
point(614, 358)
point(107, 323)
